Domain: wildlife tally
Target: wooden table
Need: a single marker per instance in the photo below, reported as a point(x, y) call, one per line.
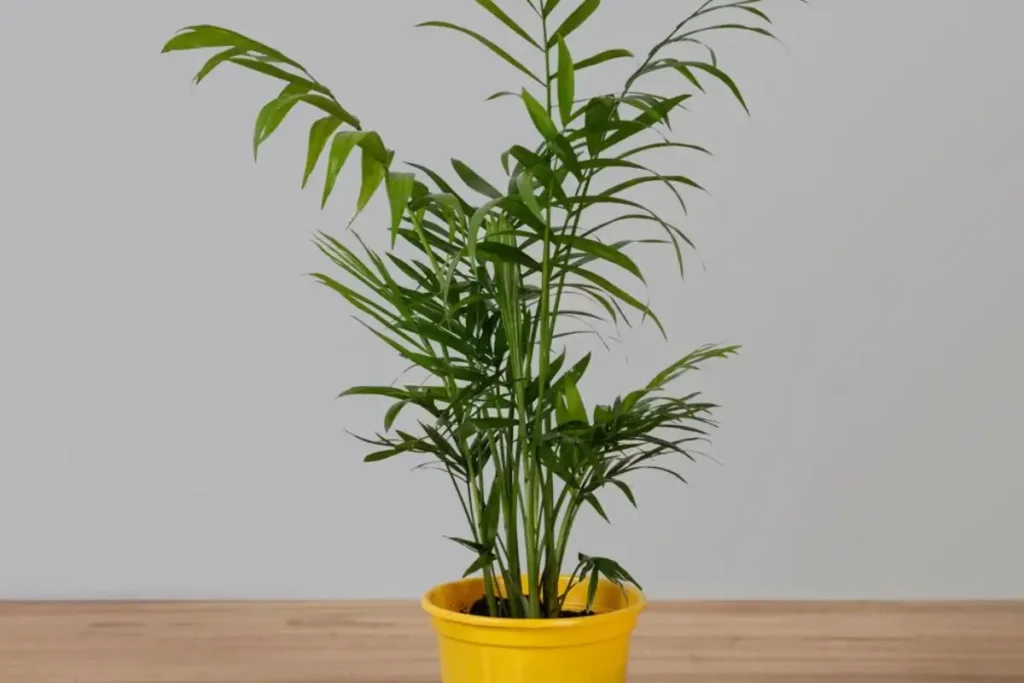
point(390, 642)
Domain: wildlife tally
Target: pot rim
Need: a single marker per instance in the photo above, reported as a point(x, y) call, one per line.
point(636, 598)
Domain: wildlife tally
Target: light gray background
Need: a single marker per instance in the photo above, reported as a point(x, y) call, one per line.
point(167, 373)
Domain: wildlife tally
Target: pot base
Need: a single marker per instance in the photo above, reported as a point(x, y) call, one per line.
point(592, 649)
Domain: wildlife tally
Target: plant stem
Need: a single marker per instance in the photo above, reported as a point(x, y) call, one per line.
point(475, 504)
point(540, 492)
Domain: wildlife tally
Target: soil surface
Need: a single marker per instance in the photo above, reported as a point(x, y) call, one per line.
point(479, 609)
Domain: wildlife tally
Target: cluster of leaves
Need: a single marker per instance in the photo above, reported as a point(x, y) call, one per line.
point(481, 307)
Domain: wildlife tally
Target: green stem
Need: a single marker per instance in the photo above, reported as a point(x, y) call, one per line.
point(539, 490)
point(476, 505)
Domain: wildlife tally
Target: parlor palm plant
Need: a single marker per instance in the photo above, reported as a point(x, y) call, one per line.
point(481, 308)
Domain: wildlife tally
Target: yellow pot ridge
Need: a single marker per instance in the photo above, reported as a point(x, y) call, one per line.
point(592, 649)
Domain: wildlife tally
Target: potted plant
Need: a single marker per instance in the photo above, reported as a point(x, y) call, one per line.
point(480, 291)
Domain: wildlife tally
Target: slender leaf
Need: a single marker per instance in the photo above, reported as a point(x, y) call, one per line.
point(400, 186)
point(593, 502)
point(539, 116)
point(500, 15)
point(721, 76)
point(603, 252)
point(341, 147)
point(207, 35)
point(333, 108)
point(618, 293)
point(474, 181)
point(373, 174)
point(626, 491)
point(268, 69)
point(484, 560)
point(319, 133)
point(592, 589)
point(484, 41)
point(549, 7)
point(273, 114)
point(215, 61)
point(602, 57)
point(566, 82)
point(470, 545)
point(392, 413)
point(574, 21)
point(598, 114)
point(504, 253)
point(524, 184)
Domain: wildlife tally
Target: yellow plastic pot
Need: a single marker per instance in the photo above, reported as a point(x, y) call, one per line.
point(592, 649)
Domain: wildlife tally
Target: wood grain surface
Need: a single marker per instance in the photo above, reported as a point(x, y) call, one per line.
point(391, 642)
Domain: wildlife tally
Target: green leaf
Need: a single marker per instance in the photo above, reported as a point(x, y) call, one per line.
point(592, 589)
point(601, 251)
point(469, 545)
point(524, 184)
point(443, 186)
point(449, 206)
point(661, 145)
point(500, 94)
point(756, 12)
point(483, 561)
point(576, 372)
point(196, 37)
point(505, 253)
point(474, 181)
point(574, 20)
point(490, 45)
point(575, 410)
point(566, 154)
point(614, 571)
point(674, 233)
point(527, 159)
point(626, 491)
point(333, 108)
point(372, 144)
point(341, 147)
point(273, 113)
point(685, 71)
point(598, 113)
point(390, 392)
point(383, 316)
point(566, 82)
point(686, 37)
point(399, 188)
point(657, 113)
point(269, 69)
point(319, 133)
point(438, 334)
point(507, 20)
point(539, 116)
point(378, 456)
point(373, 172)
point(618, 293)
point(592, 500)
point(485, 423)
point(655, 178)
point(392, 413)
point(216, 61)
point(206, 35)
point(549, 7)
point(602, 57)
point(492, 513)
point(475, 222)
point(691, 361)
point(721, 76)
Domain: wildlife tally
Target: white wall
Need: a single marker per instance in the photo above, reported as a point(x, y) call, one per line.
point(167, 422)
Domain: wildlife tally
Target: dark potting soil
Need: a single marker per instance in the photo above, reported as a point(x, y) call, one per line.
point(479, 609)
